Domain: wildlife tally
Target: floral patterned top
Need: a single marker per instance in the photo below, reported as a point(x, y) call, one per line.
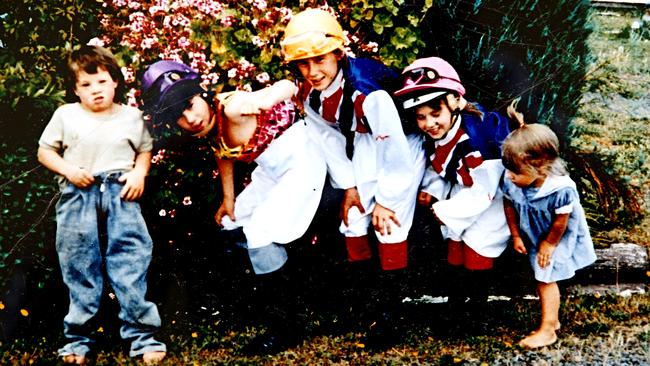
point(270, 125)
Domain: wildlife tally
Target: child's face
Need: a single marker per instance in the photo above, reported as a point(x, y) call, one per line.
point(320, 71)
point(95, 91)
point(435, 122)
point(196, 117)
point(525, 178)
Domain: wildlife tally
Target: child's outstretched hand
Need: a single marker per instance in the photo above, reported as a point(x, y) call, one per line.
point(545, 253)
point(425, 199)
point(133, 185)
point(380, 219)
point(80, 177)
point(227, 208)
point(351, 199)
point(519, 246)
point(250, 107)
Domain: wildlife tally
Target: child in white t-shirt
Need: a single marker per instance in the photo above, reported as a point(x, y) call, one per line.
point(101, 152)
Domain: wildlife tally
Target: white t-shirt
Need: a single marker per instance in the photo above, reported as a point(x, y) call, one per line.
point(95, 142)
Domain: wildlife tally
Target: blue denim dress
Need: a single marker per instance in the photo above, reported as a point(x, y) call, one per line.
point(536, 208)
point(79, 215)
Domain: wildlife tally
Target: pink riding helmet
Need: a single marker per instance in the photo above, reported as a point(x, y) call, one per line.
point(431, 74)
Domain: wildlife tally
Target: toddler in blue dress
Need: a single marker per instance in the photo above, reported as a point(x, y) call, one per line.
point(545, 218)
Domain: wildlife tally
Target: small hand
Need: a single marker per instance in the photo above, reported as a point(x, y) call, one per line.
point(250, 107)
point(380, 219)
point(518, 245)
point(436, 216)
point(545, 253)
point(425, 199)
point(80, 177)
point(133, 185)
point(350, 199)
point(227, 208)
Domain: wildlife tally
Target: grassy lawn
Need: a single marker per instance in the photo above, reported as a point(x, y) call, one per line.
point(429, 334)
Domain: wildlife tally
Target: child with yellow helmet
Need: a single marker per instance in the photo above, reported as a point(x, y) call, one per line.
point(353, 119)
point(358, 127)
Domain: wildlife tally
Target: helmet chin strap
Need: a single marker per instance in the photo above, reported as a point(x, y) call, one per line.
point(213, 114)
point(456, 105)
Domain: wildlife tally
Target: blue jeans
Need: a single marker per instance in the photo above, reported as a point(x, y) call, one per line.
point(79, 215)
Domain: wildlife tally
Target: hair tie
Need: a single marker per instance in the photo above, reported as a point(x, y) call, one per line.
point(512, 112)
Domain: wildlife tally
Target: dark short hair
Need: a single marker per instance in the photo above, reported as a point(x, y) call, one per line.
point(90, 59)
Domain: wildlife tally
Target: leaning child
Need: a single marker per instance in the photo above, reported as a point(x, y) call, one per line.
point(545, 218)
point(461, 184)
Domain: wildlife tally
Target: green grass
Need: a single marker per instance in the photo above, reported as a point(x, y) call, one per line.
point(430, 334)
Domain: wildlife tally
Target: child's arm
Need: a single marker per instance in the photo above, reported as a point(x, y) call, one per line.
point(227, 207)
point(511, 219)
point(78, 176)
point(261, 100)
point(547, 246)
point(134, 179)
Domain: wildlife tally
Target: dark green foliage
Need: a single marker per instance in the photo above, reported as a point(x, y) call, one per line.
point(34, 37)
point(529, 48)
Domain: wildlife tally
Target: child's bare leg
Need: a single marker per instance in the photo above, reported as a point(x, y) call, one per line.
point(153, 357)
point(549, 296)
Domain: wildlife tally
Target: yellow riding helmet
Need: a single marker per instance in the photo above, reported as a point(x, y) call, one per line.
point(310, 33)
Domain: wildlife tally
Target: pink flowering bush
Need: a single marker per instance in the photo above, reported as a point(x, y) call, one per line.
point(233, 44)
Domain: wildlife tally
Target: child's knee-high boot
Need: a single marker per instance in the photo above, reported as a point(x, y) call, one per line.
point(389, 314)
point(359, 288)
point(455, 288)
point(479, 285)
point(276, 302)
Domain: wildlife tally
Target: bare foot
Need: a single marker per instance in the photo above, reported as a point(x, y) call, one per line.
point(74, 359)
point(539, 339)
point(557, 327)
point(151, 358)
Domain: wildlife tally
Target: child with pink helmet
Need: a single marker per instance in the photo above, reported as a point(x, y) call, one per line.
point(461, 183)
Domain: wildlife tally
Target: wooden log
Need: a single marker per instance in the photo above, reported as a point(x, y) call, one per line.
point(622, 256)
point(620, 263)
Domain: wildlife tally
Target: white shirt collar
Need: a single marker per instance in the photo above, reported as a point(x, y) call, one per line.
point(451, 133)
point(336, 84)
point(553, 183)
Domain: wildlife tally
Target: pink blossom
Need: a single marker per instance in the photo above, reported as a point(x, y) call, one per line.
point(96, 42)
point(148, 43)
point(131, 99)
point(187, 200)
point(211, 78)
point(157, 10)
point(183, 42)
point(263, 78)
point(129, 74)
point(257, 40)
point(260, 4)
point(228, 21)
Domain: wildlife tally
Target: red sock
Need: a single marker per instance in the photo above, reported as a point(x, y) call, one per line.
point(393, 255)
point(358, 248)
